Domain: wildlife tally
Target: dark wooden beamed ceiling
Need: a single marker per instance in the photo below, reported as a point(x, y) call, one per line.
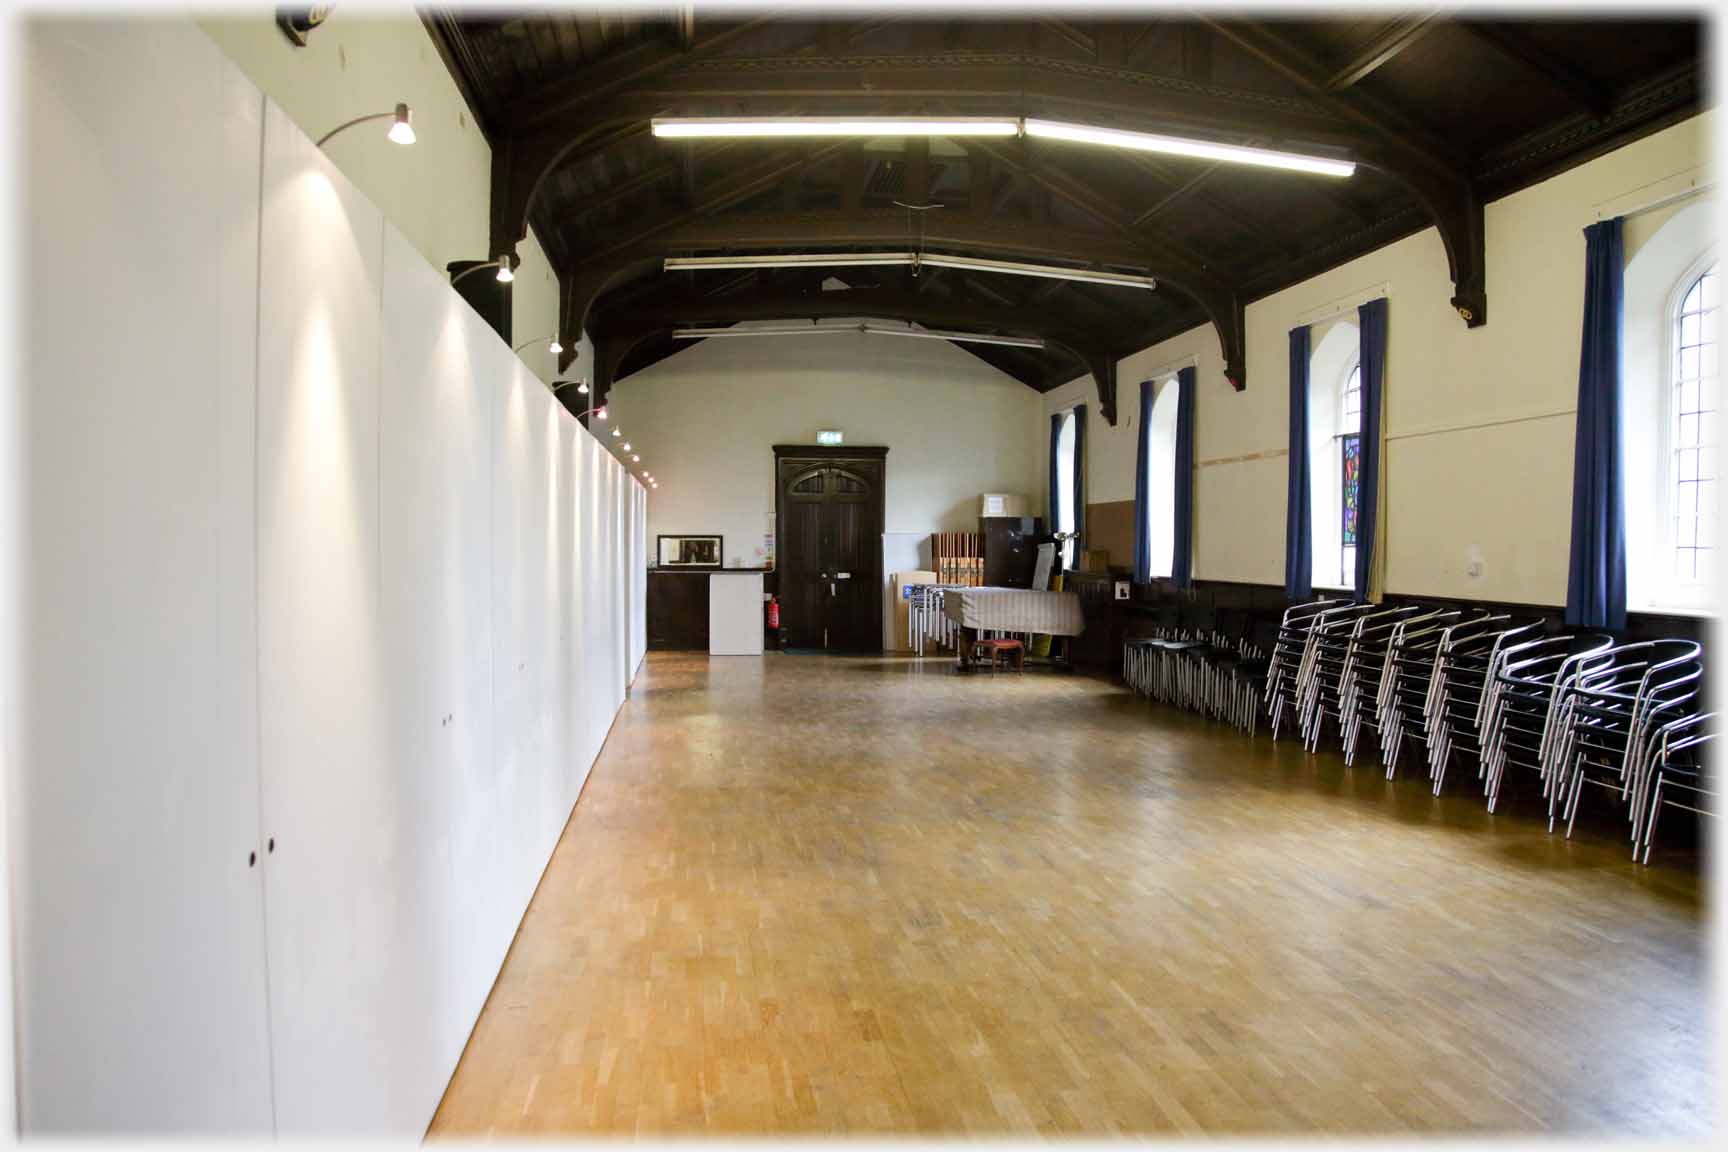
point(1440, 113)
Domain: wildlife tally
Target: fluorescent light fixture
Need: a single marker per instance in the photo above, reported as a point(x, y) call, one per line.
point(1047, 271)
point(866, 328)
point(402, 125)
point(789, 260)
point(902, 259)
point(1183, 146)
point(734, 127)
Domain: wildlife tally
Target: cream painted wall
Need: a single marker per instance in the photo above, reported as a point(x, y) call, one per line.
point(1479, 421)
point(366, 61)
point(705, 422)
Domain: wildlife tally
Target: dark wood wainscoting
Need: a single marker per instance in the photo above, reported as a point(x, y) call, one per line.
point(1256, 609)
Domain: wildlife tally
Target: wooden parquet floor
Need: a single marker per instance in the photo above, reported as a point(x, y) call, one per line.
point(817, 896)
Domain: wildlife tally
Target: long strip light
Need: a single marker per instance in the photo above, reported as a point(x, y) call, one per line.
point(932, 259)
point(1185, 146)
point(733, 127)
point(737, 127)
point(864, 327)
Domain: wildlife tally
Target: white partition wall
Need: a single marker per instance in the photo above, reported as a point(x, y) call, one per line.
point(333, 795)
point(139, 938)
point(324, 613)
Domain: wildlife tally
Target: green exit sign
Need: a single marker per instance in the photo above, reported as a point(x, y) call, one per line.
point(830, 437)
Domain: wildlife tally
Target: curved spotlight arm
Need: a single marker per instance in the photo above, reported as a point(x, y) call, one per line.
point(501, 263)
point(554, 347)
point(401, 114)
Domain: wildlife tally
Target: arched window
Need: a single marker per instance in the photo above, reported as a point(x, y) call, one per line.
point(1161, 477)
point(1334, 453)
point(1064, 511)
point(1692, 432)
point(1668, 405)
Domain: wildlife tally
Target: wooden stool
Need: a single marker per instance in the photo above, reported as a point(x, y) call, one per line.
point(1001, 648)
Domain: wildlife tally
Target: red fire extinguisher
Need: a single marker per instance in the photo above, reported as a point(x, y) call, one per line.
point(774, 612)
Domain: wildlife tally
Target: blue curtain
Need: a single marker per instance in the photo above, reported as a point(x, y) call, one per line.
point(1055, 502)
point(1182, 554)
point(1372, 337)
point(1142, 498)
point(1298, 514)
point(1079, 481)
point(1596, 581)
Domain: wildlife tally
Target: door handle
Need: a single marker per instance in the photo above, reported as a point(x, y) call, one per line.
point(831, 591)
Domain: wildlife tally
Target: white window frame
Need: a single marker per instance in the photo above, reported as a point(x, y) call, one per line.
point(1161, 465)
point(1672, 593)
point(1065, 486)
point(1326, 554)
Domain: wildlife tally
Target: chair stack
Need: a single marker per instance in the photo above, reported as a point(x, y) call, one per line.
point(1579, 714)
point(1464, 655)
point(1216, 672)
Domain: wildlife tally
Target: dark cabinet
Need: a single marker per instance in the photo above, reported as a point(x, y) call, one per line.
point(1010, 549)
point(677, 611)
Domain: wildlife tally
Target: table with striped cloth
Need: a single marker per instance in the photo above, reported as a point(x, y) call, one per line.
point(1021, 610)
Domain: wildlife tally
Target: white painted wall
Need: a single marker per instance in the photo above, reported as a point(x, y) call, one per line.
point(1479, 421)
point(705, 422)
point(366, 59)
point(314, 570)
point(706, 419)
point(140, 980)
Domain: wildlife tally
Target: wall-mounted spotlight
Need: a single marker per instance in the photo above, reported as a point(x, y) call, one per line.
point(401, 125)
point(616, 432)
point(626, 445)
point(505, 275)
point(552, 346)
point(635, 459)
point(600, 412)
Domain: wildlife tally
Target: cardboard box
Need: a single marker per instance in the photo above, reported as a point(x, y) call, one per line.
point(902, 613)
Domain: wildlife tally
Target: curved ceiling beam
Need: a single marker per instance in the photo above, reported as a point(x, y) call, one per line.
point(650, 318)
point(1430, 166)
point(959, 231)
point(1028, 86)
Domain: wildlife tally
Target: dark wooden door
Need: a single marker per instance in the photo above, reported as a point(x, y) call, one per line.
point(829, 547)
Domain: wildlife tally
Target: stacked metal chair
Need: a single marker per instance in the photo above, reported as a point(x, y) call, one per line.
point(1366, 663)
point(1289, 656)
point(1518, 711)
point(1603, 719)
point(1320, 677)
point(1408, 682)
point(1678, 772)
point(1210, 671)
point(1464, 656)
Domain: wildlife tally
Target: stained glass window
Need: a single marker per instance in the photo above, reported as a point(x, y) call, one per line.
point(1352, 486)
point(1350, 473)
point(1693, 471)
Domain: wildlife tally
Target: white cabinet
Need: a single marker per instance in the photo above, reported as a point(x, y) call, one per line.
point(735, 614)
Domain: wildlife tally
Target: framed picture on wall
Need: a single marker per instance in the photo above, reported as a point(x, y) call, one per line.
point(689, 551)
